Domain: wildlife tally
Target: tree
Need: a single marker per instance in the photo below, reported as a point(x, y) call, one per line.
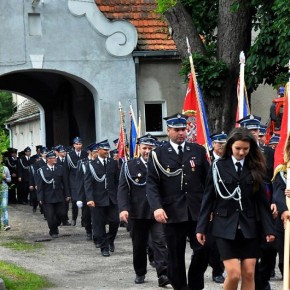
point(218, 31)
point(6, 107)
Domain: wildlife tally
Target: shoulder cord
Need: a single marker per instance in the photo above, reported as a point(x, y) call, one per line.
point(282, 174)
point(168, 174)
point(217, 179)
point(24, 167)
point(45, 180)
point(83, 167)
point(10, 165)
point(32, 169)
point(103, 178)
point(69, 162)
point(127, 174)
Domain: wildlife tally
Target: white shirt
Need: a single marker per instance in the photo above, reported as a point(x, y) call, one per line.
point(235, 160)
point(175, 146)
point(102, 160)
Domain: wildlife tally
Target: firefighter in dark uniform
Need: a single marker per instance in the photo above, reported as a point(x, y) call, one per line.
point(60, 152)
point(23, 176)
point(11, 163)
point(36, 156)
point(101, 184)
point(52, 192)
point(38, 163)
point(267, 261)
point(81, 197)
point(72, 158)
point(175, 186)
point(132, 201)
point(218, 143)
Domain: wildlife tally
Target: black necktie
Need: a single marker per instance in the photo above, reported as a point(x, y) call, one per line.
point(52, 169)
point(105, 163)
point(180, 152)
point(239, 166)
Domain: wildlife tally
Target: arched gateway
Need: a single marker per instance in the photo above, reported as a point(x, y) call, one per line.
point(70, 59)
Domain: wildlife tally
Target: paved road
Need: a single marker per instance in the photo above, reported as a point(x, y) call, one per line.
point(71, 262)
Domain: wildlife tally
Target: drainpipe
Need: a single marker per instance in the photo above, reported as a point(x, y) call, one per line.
point(42, 126)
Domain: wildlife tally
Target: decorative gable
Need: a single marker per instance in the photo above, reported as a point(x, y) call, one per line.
point(153, 31)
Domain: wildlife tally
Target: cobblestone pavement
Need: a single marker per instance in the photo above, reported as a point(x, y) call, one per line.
point(71, 262)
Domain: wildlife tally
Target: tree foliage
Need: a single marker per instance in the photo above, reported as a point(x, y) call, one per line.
point(266, 56)
point(6, 107)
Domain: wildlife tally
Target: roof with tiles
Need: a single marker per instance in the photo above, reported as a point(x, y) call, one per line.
point(153, 31)
point(27, 110)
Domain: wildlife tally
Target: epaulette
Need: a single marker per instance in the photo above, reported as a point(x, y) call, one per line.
point(279, 168)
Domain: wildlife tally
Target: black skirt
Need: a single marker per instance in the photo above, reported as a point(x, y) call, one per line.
point(239, 248)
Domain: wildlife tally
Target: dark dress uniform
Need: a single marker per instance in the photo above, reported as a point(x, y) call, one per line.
point(23, 173)
point(235, 217)
point(268, 250)
point(11, 163)
point(70, 164)
point(82, 167)
point(101, 184)
point(52, 190)
point(132, 198)
point(279, 198)
point(180, 196)
point(61, 161)
point(33, 181)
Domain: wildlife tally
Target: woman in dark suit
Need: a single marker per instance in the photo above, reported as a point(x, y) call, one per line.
point(279, 197)
point(234, 202)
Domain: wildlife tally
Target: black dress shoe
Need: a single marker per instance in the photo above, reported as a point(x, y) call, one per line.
point(105, 253)
point(218, 279)
point(34, 209)
point(66, 223)
point(112, 247)
point(73, 222)
point(163, 281)
point(89, 236)
point(139, 279)
point(97, 245)
point(54, 236)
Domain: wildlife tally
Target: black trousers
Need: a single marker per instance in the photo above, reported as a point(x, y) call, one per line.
point(176, 235)
point(101, 215)
point(266, 262)
point(54, 213)
point(86, 218)
point(214, 259)
point(22, 194)
point(33, 199)
point(141, 229)
point(12, 190)
point(74, 209)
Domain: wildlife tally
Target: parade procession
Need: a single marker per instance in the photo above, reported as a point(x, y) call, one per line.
point(145, 144)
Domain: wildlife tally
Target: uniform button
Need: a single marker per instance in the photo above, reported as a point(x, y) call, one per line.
point(237, 210)
point(182, 165)
point(185, 183)
point(184, 174)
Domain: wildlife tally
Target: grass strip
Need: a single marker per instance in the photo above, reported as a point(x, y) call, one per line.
point(19, 244)
point(16, 277)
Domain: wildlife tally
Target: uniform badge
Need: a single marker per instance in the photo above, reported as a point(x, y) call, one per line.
point(168, 169)
point(136, 180)
point(192, 164)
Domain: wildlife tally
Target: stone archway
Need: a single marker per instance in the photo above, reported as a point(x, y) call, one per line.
point(67, 101)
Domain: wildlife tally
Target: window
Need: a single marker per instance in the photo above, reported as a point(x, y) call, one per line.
point(154, 123)
point(34, 24)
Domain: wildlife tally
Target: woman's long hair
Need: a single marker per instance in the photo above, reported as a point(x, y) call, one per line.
point(255, 159)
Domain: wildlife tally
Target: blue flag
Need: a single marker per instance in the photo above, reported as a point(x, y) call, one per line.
point(133, 137)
